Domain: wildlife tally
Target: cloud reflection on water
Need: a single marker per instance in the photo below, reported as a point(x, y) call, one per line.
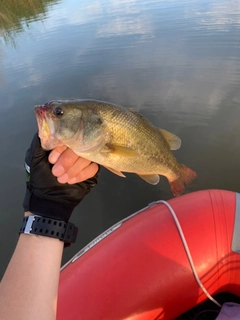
point(175, 61)
point(115, 44)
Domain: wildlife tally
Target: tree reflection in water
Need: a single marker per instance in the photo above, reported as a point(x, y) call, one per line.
point(16, 14)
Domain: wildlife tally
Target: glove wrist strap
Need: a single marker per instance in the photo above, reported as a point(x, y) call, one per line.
point(58, 209)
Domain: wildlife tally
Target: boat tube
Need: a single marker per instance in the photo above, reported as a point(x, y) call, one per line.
point(139, 268)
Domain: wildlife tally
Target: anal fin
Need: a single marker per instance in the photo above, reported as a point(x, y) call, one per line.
point(150, 178)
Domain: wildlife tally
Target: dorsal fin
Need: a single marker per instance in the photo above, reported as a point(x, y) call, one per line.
point(173, 140)
point(136, 113)
point(133, 111)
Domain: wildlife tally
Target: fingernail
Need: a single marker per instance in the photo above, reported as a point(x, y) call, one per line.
point(58, 170)
point(63, 179)
point(53, 157)
point(73, 180)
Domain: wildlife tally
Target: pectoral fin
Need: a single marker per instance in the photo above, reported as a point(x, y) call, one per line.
point(119, 173)
point(150, 178)
point(120, 151)
point(173, 140)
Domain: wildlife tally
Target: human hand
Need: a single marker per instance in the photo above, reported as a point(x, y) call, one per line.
point(45, 195)
point(69, 167)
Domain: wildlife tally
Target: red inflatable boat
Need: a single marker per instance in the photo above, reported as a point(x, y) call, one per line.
point(139, 268)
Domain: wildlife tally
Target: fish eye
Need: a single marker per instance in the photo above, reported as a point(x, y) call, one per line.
point(58, 111)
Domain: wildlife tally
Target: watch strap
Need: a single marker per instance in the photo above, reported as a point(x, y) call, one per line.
point(38, 225)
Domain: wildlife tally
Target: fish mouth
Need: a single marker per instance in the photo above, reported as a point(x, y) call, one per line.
point(46, 127)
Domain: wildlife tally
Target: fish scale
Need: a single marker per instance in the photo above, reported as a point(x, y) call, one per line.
point(132, 130)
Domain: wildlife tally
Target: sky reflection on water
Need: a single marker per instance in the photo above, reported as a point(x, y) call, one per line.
point(176, 62)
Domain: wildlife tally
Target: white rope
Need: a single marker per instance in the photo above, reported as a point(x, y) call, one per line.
point(188, 253)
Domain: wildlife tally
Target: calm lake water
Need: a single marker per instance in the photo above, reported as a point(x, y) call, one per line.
point(177, 62)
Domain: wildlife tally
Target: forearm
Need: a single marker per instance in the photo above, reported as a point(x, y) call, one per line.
point(29, 287)
point(28, 290)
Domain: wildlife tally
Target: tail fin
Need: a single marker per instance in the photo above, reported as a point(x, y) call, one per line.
point(186, 176)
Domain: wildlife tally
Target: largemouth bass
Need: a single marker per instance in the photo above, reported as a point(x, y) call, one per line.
point(115, 137)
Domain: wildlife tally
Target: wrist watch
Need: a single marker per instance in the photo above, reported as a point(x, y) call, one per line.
point(38, 225)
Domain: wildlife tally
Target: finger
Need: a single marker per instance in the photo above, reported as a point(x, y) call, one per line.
point(65, 161)
point(56, 153)
point(74, 170)
point(85, 174)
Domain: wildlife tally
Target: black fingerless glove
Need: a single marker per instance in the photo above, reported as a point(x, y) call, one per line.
point(45, 196)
